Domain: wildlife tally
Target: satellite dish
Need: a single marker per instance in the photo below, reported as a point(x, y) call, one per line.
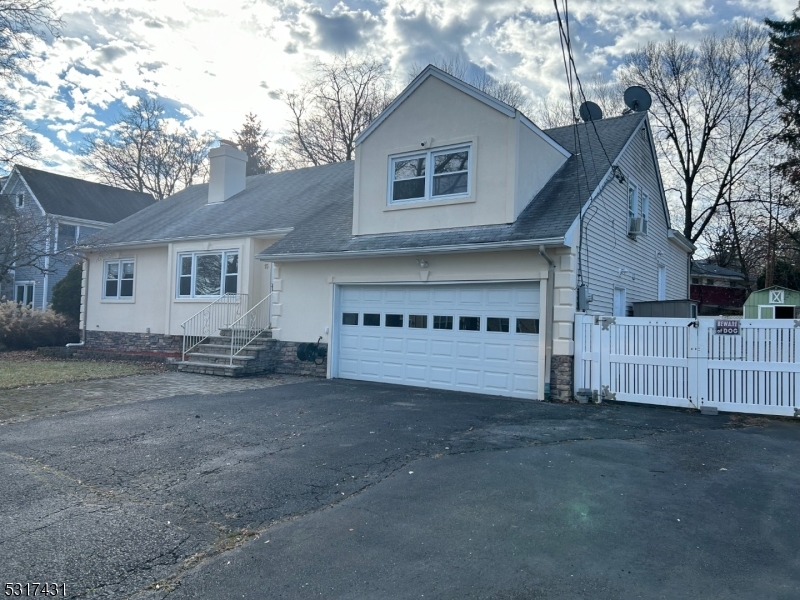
point(637, 98)
point(589, 111)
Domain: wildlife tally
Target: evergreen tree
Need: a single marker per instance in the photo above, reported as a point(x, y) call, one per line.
point(67, 294)
point(252, 138)
point(784, 48)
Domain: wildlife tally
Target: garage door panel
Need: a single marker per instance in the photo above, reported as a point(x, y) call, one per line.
point(371, 343)
point(393, 371)
point(497, 352)
point(496, 381)
point(441, 374)
point(467, 378)
point(441, 348)
point(417, 347)
point(370, 368)
point(495, 362)
point(348, 367)
point(467, 350)
point(349, 341)
point(526, 354)
point(417, 373)
point(393, 345)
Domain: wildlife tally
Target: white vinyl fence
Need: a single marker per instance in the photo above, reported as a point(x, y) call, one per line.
point(750, 368)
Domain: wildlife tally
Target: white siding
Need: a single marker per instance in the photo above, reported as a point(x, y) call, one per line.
point(606, 247)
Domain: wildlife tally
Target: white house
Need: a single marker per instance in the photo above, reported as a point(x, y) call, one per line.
point(451, 253)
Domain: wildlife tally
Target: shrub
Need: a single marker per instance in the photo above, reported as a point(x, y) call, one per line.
point(23, 328)
point(67, 294)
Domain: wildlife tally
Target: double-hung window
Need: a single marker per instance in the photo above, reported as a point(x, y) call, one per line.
point(118, 279)
point(208, 274)
point(432, 175)
point(67, 235)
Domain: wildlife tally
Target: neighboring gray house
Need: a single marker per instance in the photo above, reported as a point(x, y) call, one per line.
point(69, 210)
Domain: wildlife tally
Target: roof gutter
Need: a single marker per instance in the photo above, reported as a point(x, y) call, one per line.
point(451, 249)
point(267, 232)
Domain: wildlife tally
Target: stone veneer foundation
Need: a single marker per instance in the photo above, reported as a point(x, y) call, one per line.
point(561, 378)
point(144, 343)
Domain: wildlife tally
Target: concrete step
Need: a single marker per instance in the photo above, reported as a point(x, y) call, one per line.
point(210, 369)
point(218, 359)
point(250, 350)
point(226, 333)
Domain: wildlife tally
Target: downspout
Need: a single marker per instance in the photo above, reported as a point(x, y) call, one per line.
point(548, 337)
point(84, 305)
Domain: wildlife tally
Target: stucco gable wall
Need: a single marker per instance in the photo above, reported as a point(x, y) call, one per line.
point(442, 115)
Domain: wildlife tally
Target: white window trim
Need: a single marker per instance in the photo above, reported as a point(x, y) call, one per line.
point(429, 156)
point(624, 301)
point(118, 297)
point(223, 254)
point(25, 284)
point(645, 210)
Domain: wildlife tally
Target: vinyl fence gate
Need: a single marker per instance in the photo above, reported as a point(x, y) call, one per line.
point(745, 366)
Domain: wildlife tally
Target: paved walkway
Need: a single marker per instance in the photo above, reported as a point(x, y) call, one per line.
point(56, 398)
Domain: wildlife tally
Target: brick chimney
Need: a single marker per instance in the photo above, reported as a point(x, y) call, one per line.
point(228, 168)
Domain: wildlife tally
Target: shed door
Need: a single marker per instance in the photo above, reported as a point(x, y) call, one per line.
point(477, 338)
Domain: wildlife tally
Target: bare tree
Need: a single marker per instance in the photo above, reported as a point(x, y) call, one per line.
point(142, 152)
point(713, 110)
point(21, 22)
point(23, 239)
point(329, 113)
point(505, 90)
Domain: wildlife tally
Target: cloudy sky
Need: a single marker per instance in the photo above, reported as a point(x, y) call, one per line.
point(210, 62)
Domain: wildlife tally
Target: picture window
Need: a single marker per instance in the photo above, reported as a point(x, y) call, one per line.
point(208, 274)
point(430, 175)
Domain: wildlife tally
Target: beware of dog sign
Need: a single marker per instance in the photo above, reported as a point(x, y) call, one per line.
point(727, 327)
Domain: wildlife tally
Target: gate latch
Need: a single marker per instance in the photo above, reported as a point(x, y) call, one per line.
point(606, 322)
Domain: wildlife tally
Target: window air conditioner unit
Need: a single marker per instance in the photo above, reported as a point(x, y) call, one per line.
point(636, 227)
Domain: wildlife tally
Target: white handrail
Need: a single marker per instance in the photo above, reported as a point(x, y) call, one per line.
point(249, 326)
point(208, 321)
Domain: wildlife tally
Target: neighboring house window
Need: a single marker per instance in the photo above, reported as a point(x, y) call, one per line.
point(709, 282)
point(118, 282)
point(662, 282)
point(695, 280)
point(645, 211)
point(208, 274)
point(67, 236)
point(620, 302)
point(20, 200)
point(430, 175)
point(24, 293)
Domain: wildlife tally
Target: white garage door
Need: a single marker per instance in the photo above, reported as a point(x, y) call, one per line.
point(476, 338)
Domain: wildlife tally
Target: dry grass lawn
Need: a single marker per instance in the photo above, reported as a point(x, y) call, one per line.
point(23, 369)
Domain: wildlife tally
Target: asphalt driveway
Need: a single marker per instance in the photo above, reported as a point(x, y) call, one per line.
point(340, 489)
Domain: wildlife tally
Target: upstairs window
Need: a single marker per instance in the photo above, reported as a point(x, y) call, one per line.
point(208, 274)
point(432, 175)
point(20, 200)
point(67, 235)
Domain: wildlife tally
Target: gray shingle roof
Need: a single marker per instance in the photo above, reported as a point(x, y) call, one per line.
point(316, 203)
point(549, 215)
point(704, 268)
point(269, 202)
point(80, 199)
